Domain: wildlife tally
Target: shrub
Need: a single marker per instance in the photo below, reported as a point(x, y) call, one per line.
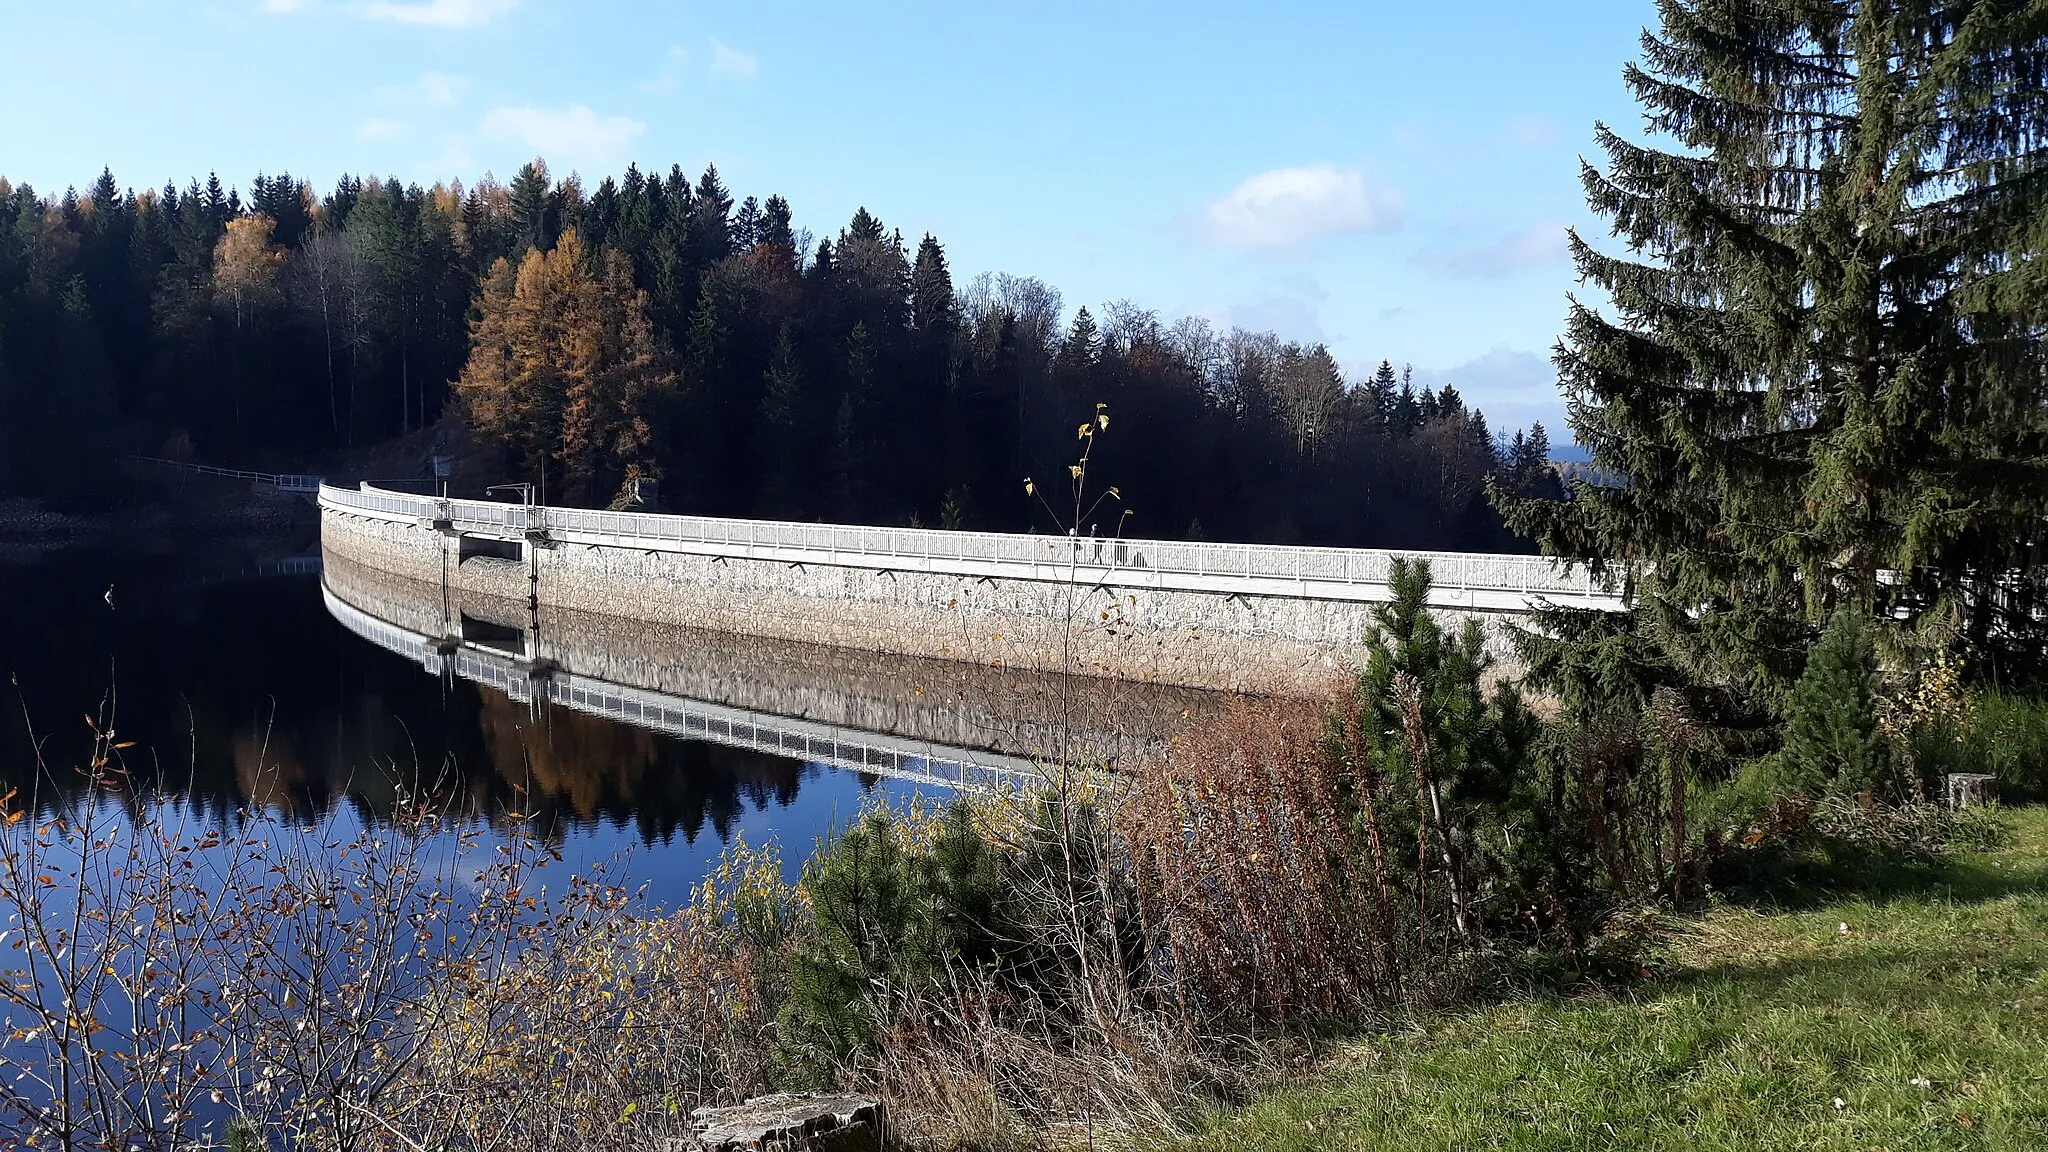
point(1615, 827)
point(982, 966)
point(1263, 883)
point(1441, 763)
point(1282, 875)
point(1833, 745)
point(608, 1028)
point(896, 901)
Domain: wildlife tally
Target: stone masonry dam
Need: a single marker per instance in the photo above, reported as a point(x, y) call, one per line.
point(1255, 619)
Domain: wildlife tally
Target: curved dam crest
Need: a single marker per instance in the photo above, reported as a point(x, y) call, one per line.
point(1257, 620)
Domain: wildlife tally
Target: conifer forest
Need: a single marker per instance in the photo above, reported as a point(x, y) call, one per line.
point(654, 326)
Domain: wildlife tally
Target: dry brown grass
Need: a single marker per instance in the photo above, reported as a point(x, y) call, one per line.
point(1264, 896)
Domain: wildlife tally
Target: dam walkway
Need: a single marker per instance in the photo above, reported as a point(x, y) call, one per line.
point(1481, 582)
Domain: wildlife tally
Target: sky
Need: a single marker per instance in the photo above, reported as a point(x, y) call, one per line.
point(1393, 179)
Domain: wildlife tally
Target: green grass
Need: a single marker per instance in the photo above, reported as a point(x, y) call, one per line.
point(1752, 1026)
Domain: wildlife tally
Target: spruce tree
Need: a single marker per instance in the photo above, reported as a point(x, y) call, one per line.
point(746, 225)
point(775, 227)
point(932, 307)
point(711, 237)
point(1821, 379)
point(923, 403)
point(1832, 742)
point(1383, 392)
point(1407, 407)
point(854, 450)
point(530, 206)
point(1083, 344)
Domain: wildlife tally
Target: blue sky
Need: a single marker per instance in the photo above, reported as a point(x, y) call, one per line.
point(1390, 178)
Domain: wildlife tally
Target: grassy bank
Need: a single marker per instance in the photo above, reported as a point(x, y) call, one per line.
point(1910, 1017)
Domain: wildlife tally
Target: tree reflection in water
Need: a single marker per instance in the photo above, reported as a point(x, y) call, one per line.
point(248, 692)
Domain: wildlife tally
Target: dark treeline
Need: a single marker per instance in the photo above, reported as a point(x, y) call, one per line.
point(656, 327)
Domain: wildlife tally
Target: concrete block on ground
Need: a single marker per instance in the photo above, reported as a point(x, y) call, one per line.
point(793, 1122)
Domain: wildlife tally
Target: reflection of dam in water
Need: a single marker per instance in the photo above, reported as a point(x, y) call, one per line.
point(928, 720)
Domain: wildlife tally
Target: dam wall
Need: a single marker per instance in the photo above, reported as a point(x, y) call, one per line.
point(1232, 618)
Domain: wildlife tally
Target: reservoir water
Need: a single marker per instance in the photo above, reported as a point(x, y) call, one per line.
point(249, 678)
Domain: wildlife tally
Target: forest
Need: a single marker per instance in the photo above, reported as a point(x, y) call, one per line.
point(658, 328)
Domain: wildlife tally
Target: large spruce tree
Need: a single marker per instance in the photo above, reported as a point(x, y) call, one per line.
point(1821, 378)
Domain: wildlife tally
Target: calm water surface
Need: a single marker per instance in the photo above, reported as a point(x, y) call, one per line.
point(239, 686)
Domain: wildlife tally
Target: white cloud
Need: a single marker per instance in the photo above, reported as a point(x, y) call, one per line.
point(380, 129)
point(574, 137)
point(729, 61)
point(277, 6)
point(1532, 246)
point(1289, 205)
point(439, 13)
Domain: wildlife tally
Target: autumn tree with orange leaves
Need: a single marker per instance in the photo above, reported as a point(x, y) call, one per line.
point(245, 271)
point(566, 370)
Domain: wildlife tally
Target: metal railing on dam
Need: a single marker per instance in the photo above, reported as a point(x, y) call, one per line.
point(874, 753)
point(1472, 581)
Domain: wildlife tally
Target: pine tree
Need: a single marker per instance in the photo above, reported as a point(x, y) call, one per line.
point(1527, 469)
point(1823, 382)
point(285, 201)
point(711, 237)
point(863, 227)
point(1832, 742)
point(1422, 713)
point(600, 221)
point(217, 207)
point(349, 189)
point(1084, 342)
point(106, 194)
point(932, 306)
point(530, 206)
point(1383, 393)
point(872, 277)
point(925, 405)
point(1407, 407)
point(775, 225)
point(746, 225)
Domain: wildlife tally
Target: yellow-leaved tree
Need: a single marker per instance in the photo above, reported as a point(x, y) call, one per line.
point(245, 271)
point(245, 266)
point(565, 370)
